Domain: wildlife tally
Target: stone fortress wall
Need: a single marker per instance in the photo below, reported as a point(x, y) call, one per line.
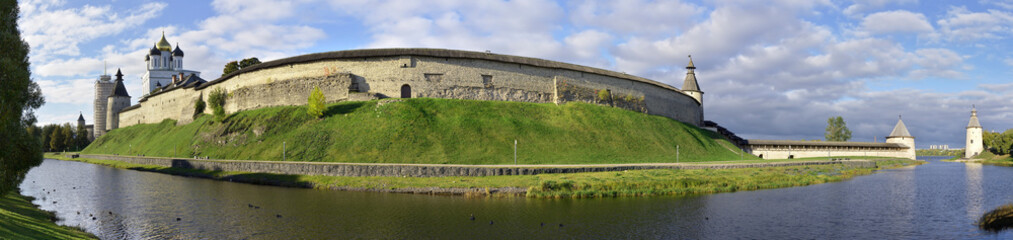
point(436, 73)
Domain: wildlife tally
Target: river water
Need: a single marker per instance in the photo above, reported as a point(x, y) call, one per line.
point(939, 200)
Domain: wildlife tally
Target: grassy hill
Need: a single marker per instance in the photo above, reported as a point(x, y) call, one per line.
point(425, 130)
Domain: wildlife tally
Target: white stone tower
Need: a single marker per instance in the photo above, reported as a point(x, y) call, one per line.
point(974, 145)
point(162, 63)
point(900, 135)
point(118, 100)
point(689, 86)
point(103, 88)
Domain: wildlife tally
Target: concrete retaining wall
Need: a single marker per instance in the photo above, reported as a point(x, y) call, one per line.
point(426, 170)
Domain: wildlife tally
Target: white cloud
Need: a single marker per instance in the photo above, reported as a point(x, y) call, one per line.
point(72, 91)
point(862, 6)
point(59, 32)
point(898, 21)
point(639, 17)
point(963, 25)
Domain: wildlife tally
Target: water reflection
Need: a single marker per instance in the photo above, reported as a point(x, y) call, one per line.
point(937, 200)
point(975, 192)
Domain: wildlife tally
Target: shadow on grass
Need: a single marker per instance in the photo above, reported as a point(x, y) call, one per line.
point(342, 108)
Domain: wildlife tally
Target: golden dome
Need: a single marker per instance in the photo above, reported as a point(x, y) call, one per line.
point(163, 45)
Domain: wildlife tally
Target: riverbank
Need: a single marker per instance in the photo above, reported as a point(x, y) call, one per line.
point(20, 219)
point(653, 182)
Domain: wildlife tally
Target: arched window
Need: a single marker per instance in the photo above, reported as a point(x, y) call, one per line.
point(406, 91)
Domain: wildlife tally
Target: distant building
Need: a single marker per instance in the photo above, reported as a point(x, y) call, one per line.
point(89, 128)
point(940, 147)
point(899, 144)
point(163, 66)
point(974, 145)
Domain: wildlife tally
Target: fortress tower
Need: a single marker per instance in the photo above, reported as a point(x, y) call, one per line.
point(162, 63)
point(689, 86)
point(116, 101)
point(974, 145)
point(900, 135)
point(103, 88)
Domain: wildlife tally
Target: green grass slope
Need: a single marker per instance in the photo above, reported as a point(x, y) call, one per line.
point(20, 219)
point(421, 130)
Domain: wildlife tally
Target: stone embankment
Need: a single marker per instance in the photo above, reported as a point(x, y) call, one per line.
point(430, 170)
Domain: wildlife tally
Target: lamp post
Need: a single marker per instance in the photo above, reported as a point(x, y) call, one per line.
point(515, 151)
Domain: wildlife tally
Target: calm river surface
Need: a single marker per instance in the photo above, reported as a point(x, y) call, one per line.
point(939, 200)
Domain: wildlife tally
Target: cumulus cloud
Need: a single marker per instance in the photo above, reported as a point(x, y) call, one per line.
point(635, 16)
point(861, 6)
point(60, 31)
point(963, 25)
point(898, 21)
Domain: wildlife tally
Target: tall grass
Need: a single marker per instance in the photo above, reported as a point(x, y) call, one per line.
point(428, 131)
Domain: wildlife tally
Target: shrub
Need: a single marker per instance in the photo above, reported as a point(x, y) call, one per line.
point(217, 101)
point(198, 106)
point(603, 95)
point(316, 103)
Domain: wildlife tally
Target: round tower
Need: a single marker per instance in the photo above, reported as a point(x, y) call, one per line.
point(103, 88)
point(691, 88)
point(80, 120)
point(118, 100)
point(901, 136)
point(973, 145)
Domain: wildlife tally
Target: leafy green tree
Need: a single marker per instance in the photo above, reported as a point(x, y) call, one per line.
point(81, 138)
point(316, 103)
point(47, 132)
point(19, 97)
point(248, 62)
point(837, 130)
point(217, 101)
point(198, 106)
point(68, 137)
point(230, 67)
point(56, 141)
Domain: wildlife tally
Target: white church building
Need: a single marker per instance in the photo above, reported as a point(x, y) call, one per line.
point(162, 64)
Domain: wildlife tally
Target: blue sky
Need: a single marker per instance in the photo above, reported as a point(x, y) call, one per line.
point(769, 69)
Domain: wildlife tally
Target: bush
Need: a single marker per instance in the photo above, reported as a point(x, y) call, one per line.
point(316, 103)
point(603, 95)
point(198, 106)
point(217, 101)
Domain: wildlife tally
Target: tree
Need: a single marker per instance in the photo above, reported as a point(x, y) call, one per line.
point(47, 133)
point(238, 65)
point(81, 138)
point(68, 137)
point(198, 106)
point(248, 62)
point(56, 139)
point(217, 101)
point(837, 130)
point(19, 97)
point(316, 103)
point(230, 67)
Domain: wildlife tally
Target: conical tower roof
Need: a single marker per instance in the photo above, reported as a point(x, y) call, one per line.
point(974, 119)
point(690, 83)
point(119, 90)
point(80, 117)
point(900, 130)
